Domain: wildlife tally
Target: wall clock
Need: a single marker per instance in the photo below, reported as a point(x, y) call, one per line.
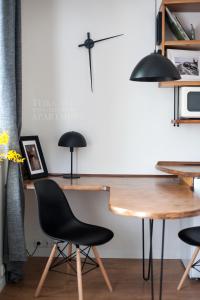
point(89, 44)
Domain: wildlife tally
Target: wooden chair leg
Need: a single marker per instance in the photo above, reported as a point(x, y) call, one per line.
point(103, 271)
point(45, 272)
point(79, 274)
point(69, 252)
point(188, 268)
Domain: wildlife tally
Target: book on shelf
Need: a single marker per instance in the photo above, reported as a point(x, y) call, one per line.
point(175, 26)
point(159, 28)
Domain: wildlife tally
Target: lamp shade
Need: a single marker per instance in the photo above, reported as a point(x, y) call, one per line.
point(155, 68)
point(72, 139)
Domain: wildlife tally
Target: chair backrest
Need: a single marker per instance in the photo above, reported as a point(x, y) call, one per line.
point(54, 209)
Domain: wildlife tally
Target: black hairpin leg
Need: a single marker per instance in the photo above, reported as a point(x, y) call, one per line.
point(150, 260)
point(146, 277)
point(162, 259)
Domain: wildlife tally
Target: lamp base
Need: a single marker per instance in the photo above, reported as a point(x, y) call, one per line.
point(69, 176)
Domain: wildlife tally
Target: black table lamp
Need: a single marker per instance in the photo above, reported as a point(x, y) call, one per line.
point(72, 139)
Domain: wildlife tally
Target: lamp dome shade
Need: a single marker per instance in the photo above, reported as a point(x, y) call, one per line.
point(72, 139)
point(155, 68)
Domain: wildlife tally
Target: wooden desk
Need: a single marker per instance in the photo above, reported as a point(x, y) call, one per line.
point(186, 171)
point(81, 184)
point(143, 197)
point(151, 197)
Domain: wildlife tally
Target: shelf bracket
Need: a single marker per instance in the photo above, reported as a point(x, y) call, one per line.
point(176, 106)
point(189, 181)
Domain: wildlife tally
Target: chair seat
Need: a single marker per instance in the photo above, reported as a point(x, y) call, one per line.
point(190, 235)
point(80, 233)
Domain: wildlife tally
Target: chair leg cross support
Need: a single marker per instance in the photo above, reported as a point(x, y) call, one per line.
point(54, 262)
point(62, 258)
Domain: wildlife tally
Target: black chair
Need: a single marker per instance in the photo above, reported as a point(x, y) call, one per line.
point(190, 236)
point(58, 222)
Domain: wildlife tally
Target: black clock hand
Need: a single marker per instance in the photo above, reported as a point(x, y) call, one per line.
point(90, 62)
point(111, 37)
point(89, 43)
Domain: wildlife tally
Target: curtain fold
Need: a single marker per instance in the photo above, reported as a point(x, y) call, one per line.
point(10, 120)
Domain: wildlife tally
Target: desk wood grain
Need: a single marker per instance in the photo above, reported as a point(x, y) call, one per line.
point(155, 198)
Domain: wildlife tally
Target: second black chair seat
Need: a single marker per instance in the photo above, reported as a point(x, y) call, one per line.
point(190, 236)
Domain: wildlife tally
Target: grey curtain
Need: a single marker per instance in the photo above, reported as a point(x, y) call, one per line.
point(10, 120)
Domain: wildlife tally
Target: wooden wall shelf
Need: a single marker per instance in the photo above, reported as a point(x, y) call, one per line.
point(178, 6)
point(183, 5)
point(185, 121)
point(187, 45)
point(168, 84)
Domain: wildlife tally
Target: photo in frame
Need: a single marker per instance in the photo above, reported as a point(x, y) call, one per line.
point(34, 163)
point(187, 63)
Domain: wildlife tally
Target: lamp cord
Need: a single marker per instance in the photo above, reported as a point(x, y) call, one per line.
point(155, 12)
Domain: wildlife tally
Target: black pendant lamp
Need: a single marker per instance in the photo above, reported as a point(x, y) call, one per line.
point(155, 67)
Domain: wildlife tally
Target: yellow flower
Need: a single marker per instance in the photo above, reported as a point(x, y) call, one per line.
point(4, 138)
point(12, 155)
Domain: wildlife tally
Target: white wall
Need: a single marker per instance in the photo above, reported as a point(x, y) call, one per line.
point(126, 124)
point(123, 121)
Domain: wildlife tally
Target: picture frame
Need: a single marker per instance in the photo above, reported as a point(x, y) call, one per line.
point(34, 163)
point(187, 63)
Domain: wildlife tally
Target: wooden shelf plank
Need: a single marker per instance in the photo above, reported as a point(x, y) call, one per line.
point(179, 83)
point(177, 163)
point(183, 5)
point(182, 44)
point(186, 121)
